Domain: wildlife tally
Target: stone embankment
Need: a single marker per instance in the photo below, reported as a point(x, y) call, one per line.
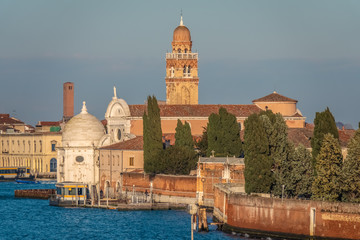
point(34, 193)
point(286, 218)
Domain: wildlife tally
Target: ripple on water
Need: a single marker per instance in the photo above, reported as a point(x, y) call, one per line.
point(35, 219)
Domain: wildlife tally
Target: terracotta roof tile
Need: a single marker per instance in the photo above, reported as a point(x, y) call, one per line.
point(274, 97)
point(196, 110)
point(132, 144)
point(6, 119)
point(303, 136)
point(297, 115)
point(48, 123)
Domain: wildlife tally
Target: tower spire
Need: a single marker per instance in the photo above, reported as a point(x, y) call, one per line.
point(115, 97)
point(84, 110)
point(181, 19)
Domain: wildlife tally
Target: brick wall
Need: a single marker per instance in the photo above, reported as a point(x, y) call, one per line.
point(169, 185)
point(335, 220)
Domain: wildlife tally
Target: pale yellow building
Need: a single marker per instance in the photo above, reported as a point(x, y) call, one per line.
point(34, 150)
point(118, 158)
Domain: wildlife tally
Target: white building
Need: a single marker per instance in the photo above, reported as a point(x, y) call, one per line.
point(78, 156)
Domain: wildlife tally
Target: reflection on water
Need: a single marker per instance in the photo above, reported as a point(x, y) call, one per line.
point(35, 219)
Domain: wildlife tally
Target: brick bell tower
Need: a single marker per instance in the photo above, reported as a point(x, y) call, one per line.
point(181, 79)
point(68, 101)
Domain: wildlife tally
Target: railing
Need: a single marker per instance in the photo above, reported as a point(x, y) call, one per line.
point(181, 55)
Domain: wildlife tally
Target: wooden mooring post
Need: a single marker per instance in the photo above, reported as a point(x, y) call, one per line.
point(203, 225)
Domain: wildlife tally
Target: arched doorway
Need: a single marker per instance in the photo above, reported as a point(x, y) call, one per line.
point(53, 165)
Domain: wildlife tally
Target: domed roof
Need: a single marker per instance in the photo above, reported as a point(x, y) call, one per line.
point(181, 33)
point(83, 129)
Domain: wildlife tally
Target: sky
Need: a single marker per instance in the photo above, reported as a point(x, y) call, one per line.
point(306, 50)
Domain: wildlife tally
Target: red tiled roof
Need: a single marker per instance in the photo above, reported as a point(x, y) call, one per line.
point(48, 123)
point(303, 136)
point(132, 144)
point(345, 136)
point(196, 110)
point(6, 119)
point(300, 136)
point(296, 115)
point(274, 97)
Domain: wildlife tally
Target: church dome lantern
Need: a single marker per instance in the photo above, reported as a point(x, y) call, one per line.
point(181, 39)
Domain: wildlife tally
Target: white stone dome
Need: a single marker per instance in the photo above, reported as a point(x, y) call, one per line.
point(83, 130)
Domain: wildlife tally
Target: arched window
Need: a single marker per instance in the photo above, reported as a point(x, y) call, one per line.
point(189, 69)
point(185, 50)
point(184, 71)
point(53, 165)
point(179, 50)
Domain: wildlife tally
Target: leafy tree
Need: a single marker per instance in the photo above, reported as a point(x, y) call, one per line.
point(183, 135)
point(326, 185)
point(152, 134)
point(258, 163)
point(298, 171)
point(351, 171)
point(324, 123)
point(223, 134)
point(177, 160)
point(202, 144)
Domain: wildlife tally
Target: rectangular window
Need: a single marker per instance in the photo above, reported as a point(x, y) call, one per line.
point(131, 161)
point(53, 147)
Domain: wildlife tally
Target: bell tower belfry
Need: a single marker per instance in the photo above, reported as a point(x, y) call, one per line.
point(181, 79)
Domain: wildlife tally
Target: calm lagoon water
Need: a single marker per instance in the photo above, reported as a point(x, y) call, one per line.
point(35, 219)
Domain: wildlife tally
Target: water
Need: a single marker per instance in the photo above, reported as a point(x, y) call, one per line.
point(35, 219)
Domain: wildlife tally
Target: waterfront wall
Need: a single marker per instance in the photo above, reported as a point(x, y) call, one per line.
point(35, 193)
point(165, 188)
point(298, 217)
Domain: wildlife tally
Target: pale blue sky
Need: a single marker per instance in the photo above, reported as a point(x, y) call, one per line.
point(306, 50)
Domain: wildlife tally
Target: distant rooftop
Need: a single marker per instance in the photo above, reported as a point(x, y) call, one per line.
point(274, 97)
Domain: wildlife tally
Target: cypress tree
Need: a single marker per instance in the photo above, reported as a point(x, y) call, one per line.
point(223, 133)
point(183, 135)
point(213, 134)
point(202, 144)
point(258, 163)
point(276, 131)
point(266, 148)
point(298, 172)
point(152, 133)
point(326, 185)
point(351, 171)
point(324, 123)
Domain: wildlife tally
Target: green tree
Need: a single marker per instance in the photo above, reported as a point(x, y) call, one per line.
point(298, 171)
point(183, 135)
point(202, 143)
point(351, 171)
point(223, 134)
point(258, 163)
point(276, 131)
point(178, 160)
point(326, 185)
point(265, 145)
point(152, 134)
point(324, 123)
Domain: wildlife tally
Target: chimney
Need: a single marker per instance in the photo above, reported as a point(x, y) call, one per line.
point(68, 101)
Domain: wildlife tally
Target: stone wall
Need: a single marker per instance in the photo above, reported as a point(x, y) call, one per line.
point(166, 188)
point(288, 217)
